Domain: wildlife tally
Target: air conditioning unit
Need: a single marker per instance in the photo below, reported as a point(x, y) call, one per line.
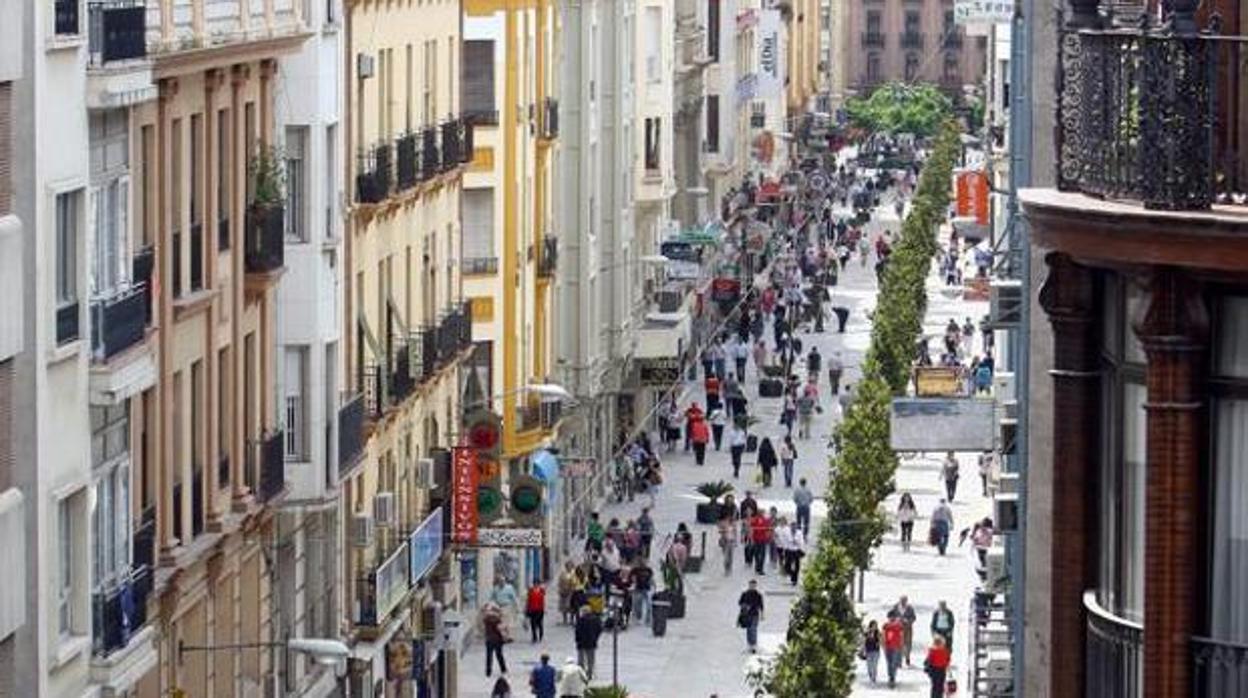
point(1003, 385)
point(996, 573)
point(998, 665)
point(1007, 436)
point(365, 66)
point(1005, 512)
point(1007, 483)
point(424, 473)
point(1009, 410)
point(385, 512)
point(670, 301)
point(1005, 304)
point(362, 530)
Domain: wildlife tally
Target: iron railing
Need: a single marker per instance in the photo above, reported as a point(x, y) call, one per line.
point(481, 117)
point(912, 40)
point(118, 323)
point(873, 39)
point(401, 381)
point(479, 265)
point(551, 413)
point(350, 434)
point(465, 326)
point(374, 177)
point(143, 540)
point(1152, 114)
point(120, 611)
point(117, 30)
point(265, 242)
point(430, 158)
point(1115, 652)
point(1219, 668)
point(141, 266)
point(408, 162)
point(272, 480)
point(428, 352)
point(550, 118)
point(548, 256)
point(67, 323)
point(454, 153)
point(197, 257)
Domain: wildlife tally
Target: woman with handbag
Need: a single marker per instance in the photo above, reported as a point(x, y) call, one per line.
point(937, 665)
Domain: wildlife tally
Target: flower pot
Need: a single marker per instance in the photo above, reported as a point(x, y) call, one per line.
point(707, 512)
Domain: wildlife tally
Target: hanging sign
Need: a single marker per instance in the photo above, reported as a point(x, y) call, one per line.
point(510, 538)
point(770, 60)
point(464, 496)
point(972, 195)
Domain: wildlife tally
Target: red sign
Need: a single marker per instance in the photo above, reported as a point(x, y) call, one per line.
point(464, 496)
point(973, 196)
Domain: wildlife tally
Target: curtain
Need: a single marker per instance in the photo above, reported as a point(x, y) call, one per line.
point(1134, 480)
point(1229, 610)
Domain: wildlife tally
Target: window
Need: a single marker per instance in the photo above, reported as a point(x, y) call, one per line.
point(110, 463)
point(331, 183)
point(912, 23)
point(175, 203)
point(110, 184)
point(68, 513)
point(66, 17)
point(951, 68)
point(6, 148)
point(653, 31)
point(68, 218)
point(223, 179)
point(296, 380)
point(912, 67)
point(197, 169)
point(409, 87)
point(949, 28)
point(873, 67)
point(712, 123)
point(873, 23)
point(653, 138)
point(478, 231)
point(712, 29)
point(1228, 527)
point(431, 82)
point(296, 184)
point(479, 81)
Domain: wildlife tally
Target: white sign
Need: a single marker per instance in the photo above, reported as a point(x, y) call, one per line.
point(509, 538)
point(983, 11)
point(770, 58)
point(942, 424)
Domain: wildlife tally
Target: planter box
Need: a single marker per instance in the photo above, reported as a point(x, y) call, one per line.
point(707, 513)
point(677, 608)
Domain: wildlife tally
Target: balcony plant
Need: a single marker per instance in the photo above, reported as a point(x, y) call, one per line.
point(266, 216)
point(708, 512)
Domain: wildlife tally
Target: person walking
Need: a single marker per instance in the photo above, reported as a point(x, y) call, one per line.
point(905, 613)
point(642, 578)
point(871, 650)
point(906, 514)
point(588, 628)
point(835, 368)
point(740, 354)
point(802, 499)
point(501, 689)
point(949, 474)
point(788, 456)
point(718, 420)
point(645, 526)
point(535, 611)
point(573, 681)
point(693, 414)
point(797, 551)
point(727, 526)
point(939, 655)
point(543, 678)
point(987, 462)
point(767, 460)
point(942, 524)
point(981, 538)
point(760, 540)
point(807, 405)
point(699, 434)
point(892, 647)
point(750, 613)
point(942, 624)
point(736, 446)
point(495, 631)
point(569, 582)
point(814, 362)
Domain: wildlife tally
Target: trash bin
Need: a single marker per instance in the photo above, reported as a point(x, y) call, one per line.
point(658, 616)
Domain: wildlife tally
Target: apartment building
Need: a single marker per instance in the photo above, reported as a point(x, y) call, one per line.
point(653, 164)
point(407, 330)
point(308, 598)
point(761, 96)
point(910, 41)
point(720, 164)
point(511, 242)
point(802, 20)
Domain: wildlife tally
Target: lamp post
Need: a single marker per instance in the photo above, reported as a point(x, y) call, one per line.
point(615, 605)
point(323, 651)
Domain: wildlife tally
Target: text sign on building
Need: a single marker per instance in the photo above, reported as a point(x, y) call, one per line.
point(510, 538)
point(464, 496)
point(770, 63)
point(942, 424)
point(972, 199)
point(983, 11)
point(425, 545)
point(660, 371)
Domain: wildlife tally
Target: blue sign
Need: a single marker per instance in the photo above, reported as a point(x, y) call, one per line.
point(425, 545)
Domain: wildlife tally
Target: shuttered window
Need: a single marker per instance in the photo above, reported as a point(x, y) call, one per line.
point(479, 79)
point(478, 226)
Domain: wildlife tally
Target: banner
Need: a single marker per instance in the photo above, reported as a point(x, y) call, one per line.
point(972, 199)
point(983, 11)
point(770, 59)
point(425, 546)
point(464, 496)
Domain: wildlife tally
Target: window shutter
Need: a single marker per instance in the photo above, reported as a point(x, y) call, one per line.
point(478, 71)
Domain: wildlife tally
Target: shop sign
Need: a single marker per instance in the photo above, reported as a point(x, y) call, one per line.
point(660, 372)
point(725, 290)
point(983, 11)
point(425, 545)
point(770, 77)
point(464, 481)
point(972, 196)
point(510, 538)
point(384, 588)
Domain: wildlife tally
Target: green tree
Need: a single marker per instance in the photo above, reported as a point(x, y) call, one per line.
point(898, 107)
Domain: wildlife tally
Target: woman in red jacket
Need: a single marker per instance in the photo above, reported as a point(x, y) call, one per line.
point(535, 611)
point(700, 434)
point(937, 665)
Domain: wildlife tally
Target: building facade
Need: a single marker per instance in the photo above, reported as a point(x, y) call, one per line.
point(910, 41)
point(803, 23)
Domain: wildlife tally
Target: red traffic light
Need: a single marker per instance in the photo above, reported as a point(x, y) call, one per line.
point(483, 432)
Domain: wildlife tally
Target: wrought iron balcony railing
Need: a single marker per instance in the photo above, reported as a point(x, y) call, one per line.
point(119, 322)
point(430, 157)
point(402, 382)
point(550, 118)
point(272, 481)
point(452, 144)
point(1115, 653)
point(374, 178)
point(912, 40)
point(350, 433)
point(548, 256)
point(67, 323)
point(481, 117)
point(408, 162)
point(120, 611)
point(480, 265)
point(1218, 668)
point(873, 39)
point(265, 242)
point(117, 30)
point(376, 391)
point(1147, 114)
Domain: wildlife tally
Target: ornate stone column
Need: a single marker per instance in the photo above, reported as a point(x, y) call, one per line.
point(1069, 299)
point(1175, 333)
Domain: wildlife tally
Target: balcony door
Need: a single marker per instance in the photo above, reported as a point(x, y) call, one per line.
point(109, 202)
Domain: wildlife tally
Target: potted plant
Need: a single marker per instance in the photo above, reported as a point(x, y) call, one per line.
point(606, 692)
point(266, 215)
point(708, 512)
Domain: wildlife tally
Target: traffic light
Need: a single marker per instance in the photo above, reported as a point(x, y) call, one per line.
point(526, 500)
point(483, 432)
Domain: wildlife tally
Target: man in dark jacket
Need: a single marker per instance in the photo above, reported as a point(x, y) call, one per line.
point(588, 628)
point(542, 679)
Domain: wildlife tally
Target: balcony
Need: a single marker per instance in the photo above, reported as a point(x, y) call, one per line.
point(873, 40)
point(141, 267)
point(431, 162)
point(374, 179)
point(952, 38)
point(1153, 116)
point(66, 323)
point(448, 337)
point(272, 480)
point(1219, 668)
point(117, 31)
point(197, 257)
point(265, 243)
point(118, 322)
point(408, 162)
point(117, 613)
point(1115, 653)
point(143, 540)
point(401, 381)
point(481, 117)
point(376, 391)
point(350, 434)
point(197, 26)
point(479, 266)
point(428, 352)
point(912, 40)
point(550, 118)
point(453, 152)
point(548, 256)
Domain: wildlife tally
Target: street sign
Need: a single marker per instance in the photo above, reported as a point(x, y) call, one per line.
point(509, 538)
point(660, 371)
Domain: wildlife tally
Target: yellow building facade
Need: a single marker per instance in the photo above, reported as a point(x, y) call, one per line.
point(803, 19)
point(406, 328)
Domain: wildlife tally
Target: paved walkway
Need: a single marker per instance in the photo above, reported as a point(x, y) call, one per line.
point(704, 653)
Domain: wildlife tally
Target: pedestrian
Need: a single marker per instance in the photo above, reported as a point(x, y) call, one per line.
point(740, 354)
point(718, 420)
point(905, 613)
point(797, 551)
point(693, 414)
point(906, 514)
point(760, 540)
point(802, 499)
point(871, 649)
point(847, 400)
point(942, 524)
point(767, 460)
point(788, 412)
point(987, 462)
point(642, 578)
point(699, 434)
point(842, 317)
point(711, 386)
point(568, 583)
point(807, 405)
point(727, 525)
point(750, 613)
point(981, 538)
point(501, 689)
point(573, 681)
point(645, 526)
point(937, 665)
point(760, 355)
point(588, 628)
point(942, 624)
point(494, 629)
point(949, 474)
point(788, 456)
point(782, 543)
point(814, 362)
point(535, 611)
point(892, 647)
point(543, 678)
point(505, 597)
point(736, 447)
point(835, 368)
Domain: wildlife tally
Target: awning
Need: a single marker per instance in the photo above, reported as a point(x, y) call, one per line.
point(545, 465)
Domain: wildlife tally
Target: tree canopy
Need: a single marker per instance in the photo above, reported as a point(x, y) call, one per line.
point(901, 108)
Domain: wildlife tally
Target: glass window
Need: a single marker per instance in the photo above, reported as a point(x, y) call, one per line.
point(1136, 303)
point(1229, 617)
point(296, 183)
point(1134, 477)
point(1232, 340)
point(67, 217)
point(1112, 324)
point(65, 567)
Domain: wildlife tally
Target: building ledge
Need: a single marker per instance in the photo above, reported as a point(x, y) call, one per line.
point(188, 304)
point(124, 375)
point(120, 671)
point(1126, 232)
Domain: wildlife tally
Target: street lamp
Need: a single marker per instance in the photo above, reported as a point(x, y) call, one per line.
point(550, 390)
point(615, 605)
point(320, 650)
